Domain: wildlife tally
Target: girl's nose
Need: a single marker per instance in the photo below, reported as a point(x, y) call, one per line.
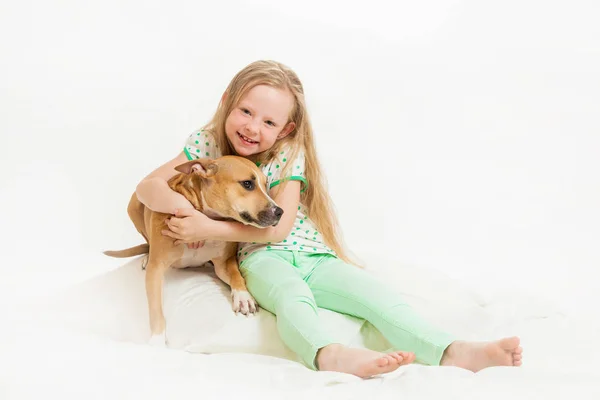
point(253, 126)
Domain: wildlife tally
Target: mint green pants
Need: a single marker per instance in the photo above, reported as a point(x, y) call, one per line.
point(293, 284)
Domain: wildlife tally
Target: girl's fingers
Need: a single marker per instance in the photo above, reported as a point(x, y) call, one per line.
point(167, 232)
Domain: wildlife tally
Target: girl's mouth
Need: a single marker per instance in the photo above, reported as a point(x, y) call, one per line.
point(246, 139)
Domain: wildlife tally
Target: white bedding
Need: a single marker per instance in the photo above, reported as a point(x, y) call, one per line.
point(88, 342)
point(488, 113)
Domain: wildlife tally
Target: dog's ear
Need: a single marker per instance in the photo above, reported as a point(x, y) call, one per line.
point(203, 166)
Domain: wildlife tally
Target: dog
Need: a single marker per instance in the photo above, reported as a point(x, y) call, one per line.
point(226, 188)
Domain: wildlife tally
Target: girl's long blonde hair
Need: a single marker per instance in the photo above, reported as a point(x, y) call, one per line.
point(315, 197)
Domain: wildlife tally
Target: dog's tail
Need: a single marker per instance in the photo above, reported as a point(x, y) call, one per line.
point(130, 252)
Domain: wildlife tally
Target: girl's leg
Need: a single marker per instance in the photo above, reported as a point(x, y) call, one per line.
point(278, 287)
point(275, 280)
point(345, 288)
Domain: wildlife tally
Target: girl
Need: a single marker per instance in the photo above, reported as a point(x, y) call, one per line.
point(300, 264)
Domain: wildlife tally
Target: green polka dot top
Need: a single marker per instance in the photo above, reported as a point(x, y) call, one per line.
point(303, 236)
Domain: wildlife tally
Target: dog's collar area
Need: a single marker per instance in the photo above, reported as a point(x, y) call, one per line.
point(215, 216)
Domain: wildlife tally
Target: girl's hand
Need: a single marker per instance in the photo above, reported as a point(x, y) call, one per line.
point(188, 225)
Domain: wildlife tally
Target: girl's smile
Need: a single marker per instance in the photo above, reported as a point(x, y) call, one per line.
point(259, 119)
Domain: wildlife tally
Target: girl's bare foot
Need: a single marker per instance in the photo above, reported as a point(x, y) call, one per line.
point(360, 362)
point(476, 356)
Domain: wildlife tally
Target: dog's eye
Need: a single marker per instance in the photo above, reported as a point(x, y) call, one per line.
point(248, 185)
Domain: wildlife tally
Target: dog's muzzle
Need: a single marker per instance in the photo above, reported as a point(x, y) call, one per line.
point(270, 216)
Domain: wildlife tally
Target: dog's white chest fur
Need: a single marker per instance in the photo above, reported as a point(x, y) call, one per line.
point(198, 257)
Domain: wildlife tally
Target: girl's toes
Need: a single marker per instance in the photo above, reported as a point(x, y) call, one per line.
point(407, 357)
point(397, 356)
point(517, 359)
point(383, 361)
point(391, 359)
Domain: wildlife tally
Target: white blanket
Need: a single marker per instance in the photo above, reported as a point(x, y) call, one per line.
point(88, 342)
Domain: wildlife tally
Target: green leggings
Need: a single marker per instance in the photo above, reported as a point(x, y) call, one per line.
point(293, 284)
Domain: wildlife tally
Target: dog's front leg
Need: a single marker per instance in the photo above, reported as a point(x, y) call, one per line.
point(241, 300)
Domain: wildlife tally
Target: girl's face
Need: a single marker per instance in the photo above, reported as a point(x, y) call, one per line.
point(259, 120)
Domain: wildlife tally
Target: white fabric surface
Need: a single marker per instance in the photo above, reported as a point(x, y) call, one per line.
point(89, 341)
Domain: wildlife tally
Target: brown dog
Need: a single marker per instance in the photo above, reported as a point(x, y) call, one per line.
point(228, 187)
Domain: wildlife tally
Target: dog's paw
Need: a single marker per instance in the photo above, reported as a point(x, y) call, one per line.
point(159, 340)
point(243, 302)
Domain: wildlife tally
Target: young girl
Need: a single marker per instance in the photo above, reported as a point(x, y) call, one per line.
point(299, 265)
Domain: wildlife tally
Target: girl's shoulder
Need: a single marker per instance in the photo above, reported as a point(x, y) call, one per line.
point(201, 144)
point(285, 165)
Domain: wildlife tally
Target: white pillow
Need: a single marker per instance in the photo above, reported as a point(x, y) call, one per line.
point(197, 309)
point(199, 317)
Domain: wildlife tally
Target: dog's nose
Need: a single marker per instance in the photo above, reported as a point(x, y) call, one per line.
point(278, 211)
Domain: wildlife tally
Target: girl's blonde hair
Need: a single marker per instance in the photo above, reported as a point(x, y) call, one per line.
point(315, 197)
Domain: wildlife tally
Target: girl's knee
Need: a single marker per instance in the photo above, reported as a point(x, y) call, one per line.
point(291, 302)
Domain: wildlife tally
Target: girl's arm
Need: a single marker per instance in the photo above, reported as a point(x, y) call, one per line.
point(154, 192)
point(190, 225)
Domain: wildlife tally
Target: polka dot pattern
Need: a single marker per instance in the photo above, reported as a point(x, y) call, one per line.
point(204, 146)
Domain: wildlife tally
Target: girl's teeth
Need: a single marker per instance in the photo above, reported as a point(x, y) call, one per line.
point(246, 139)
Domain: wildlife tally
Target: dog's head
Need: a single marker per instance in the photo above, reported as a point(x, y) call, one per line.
point(230, 187)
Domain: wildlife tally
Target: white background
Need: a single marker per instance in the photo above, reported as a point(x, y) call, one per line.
point(458, 135)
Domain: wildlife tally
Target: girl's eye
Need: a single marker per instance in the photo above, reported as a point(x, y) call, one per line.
point(271, 123)
point(245, 111)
